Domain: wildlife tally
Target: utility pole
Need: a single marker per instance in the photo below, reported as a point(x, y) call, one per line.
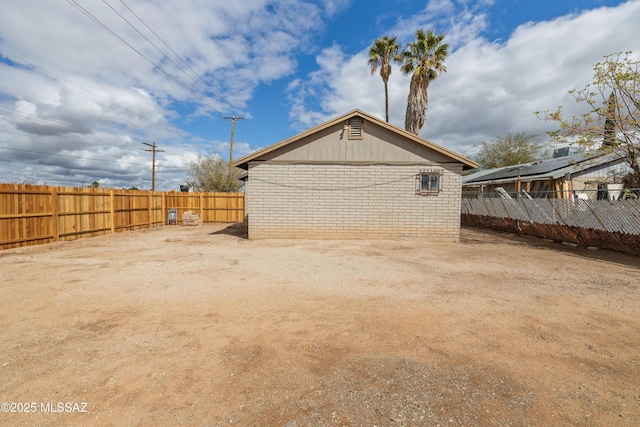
point(233, 123)
point(153, 150)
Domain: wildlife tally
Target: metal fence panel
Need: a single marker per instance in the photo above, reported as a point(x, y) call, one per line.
point(497, 209)
point(541, 213)
point(515, 209)
point(631, 215)
point(617, 216)
point(479, 205)
point(589, 219)
point(621, 216)
point(465, 206)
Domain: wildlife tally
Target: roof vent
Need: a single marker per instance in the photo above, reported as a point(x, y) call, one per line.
point(355, 128)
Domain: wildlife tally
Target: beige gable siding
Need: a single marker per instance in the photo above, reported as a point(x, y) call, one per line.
point(377, 145)
point(349, 201)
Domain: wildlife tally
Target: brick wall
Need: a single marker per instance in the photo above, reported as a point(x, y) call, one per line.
point(343, 201)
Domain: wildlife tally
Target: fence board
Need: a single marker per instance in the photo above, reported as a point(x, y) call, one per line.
point(31, 215)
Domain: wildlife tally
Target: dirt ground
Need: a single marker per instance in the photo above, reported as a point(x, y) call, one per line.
point(218, 330)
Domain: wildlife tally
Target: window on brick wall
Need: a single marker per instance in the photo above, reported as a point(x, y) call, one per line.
point(429, 183)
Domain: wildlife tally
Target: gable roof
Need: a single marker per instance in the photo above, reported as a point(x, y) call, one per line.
point(543, 169)
point(467, 163)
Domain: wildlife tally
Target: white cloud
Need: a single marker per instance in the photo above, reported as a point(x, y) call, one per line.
point(124, 98)
point(95, 126)
point(437, 7)
point(490, 88)
point(333, 7)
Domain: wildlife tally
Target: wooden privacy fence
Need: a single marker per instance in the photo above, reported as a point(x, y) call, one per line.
point(32, 215)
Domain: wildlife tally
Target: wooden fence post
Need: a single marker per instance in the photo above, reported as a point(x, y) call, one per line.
point(163, 205)
point(149, 209)
point(54, 214)
point(201, 210)
point(112, 208)
point(23, 208)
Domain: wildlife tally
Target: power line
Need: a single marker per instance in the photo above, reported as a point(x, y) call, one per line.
point(85, 158)
point(335, 189)
point(36, 121)
point(204, 90)
point(114, 34)
point(201, 98)
point(252, 134)
point(15, 113)
point(80, 87)
point(62, 128)
point(213, 89)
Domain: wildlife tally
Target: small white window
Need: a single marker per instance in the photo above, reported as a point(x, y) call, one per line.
point(429, 183)
point(356, 128)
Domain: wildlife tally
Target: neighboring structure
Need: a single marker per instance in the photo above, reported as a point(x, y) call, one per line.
point(355, 176)
point(583, 175)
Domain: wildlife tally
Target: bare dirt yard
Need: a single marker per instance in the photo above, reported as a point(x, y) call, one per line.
point(200, 326)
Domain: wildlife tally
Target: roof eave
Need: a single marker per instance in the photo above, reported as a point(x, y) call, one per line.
point(509, 180)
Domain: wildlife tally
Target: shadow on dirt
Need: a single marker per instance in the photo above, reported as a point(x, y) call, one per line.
point(473, 235)
point(239, 230)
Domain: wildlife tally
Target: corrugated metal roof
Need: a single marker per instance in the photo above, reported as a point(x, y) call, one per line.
point(481, 174)
point(544, 169)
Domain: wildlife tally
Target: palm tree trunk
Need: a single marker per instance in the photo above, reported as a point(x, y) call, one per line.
point(416, 113)
point(386, 102)
point(633, 161)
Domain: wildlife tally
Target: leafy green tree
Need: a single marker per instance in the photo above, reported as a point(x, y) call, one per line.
point(95, 184)
point(612, 119)
point(381, 54)
point(213, 174)
point(424, 60)
point(509, 149)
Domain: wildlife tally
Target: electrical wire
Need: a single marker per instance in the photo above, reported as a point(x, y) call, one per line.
point(357, 187)
point(64, 128)
point(114, 34)
point(25, 118)
point(37, 121)
point(213, 89)
point(254, 133)
point(204, 90)
point(31, 64)
point(89, 158)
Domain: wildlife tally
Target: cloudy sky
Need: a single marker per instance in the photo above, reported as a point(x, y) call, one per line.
point(83, 83)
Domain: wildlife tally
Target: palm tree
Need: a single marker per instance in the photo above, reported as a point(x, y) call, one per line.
point(609, 140)
point(425, 59)
point(381, 53)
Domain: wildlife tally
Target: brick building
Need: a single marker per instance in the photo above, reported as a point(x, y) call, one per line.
point(354, 177)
